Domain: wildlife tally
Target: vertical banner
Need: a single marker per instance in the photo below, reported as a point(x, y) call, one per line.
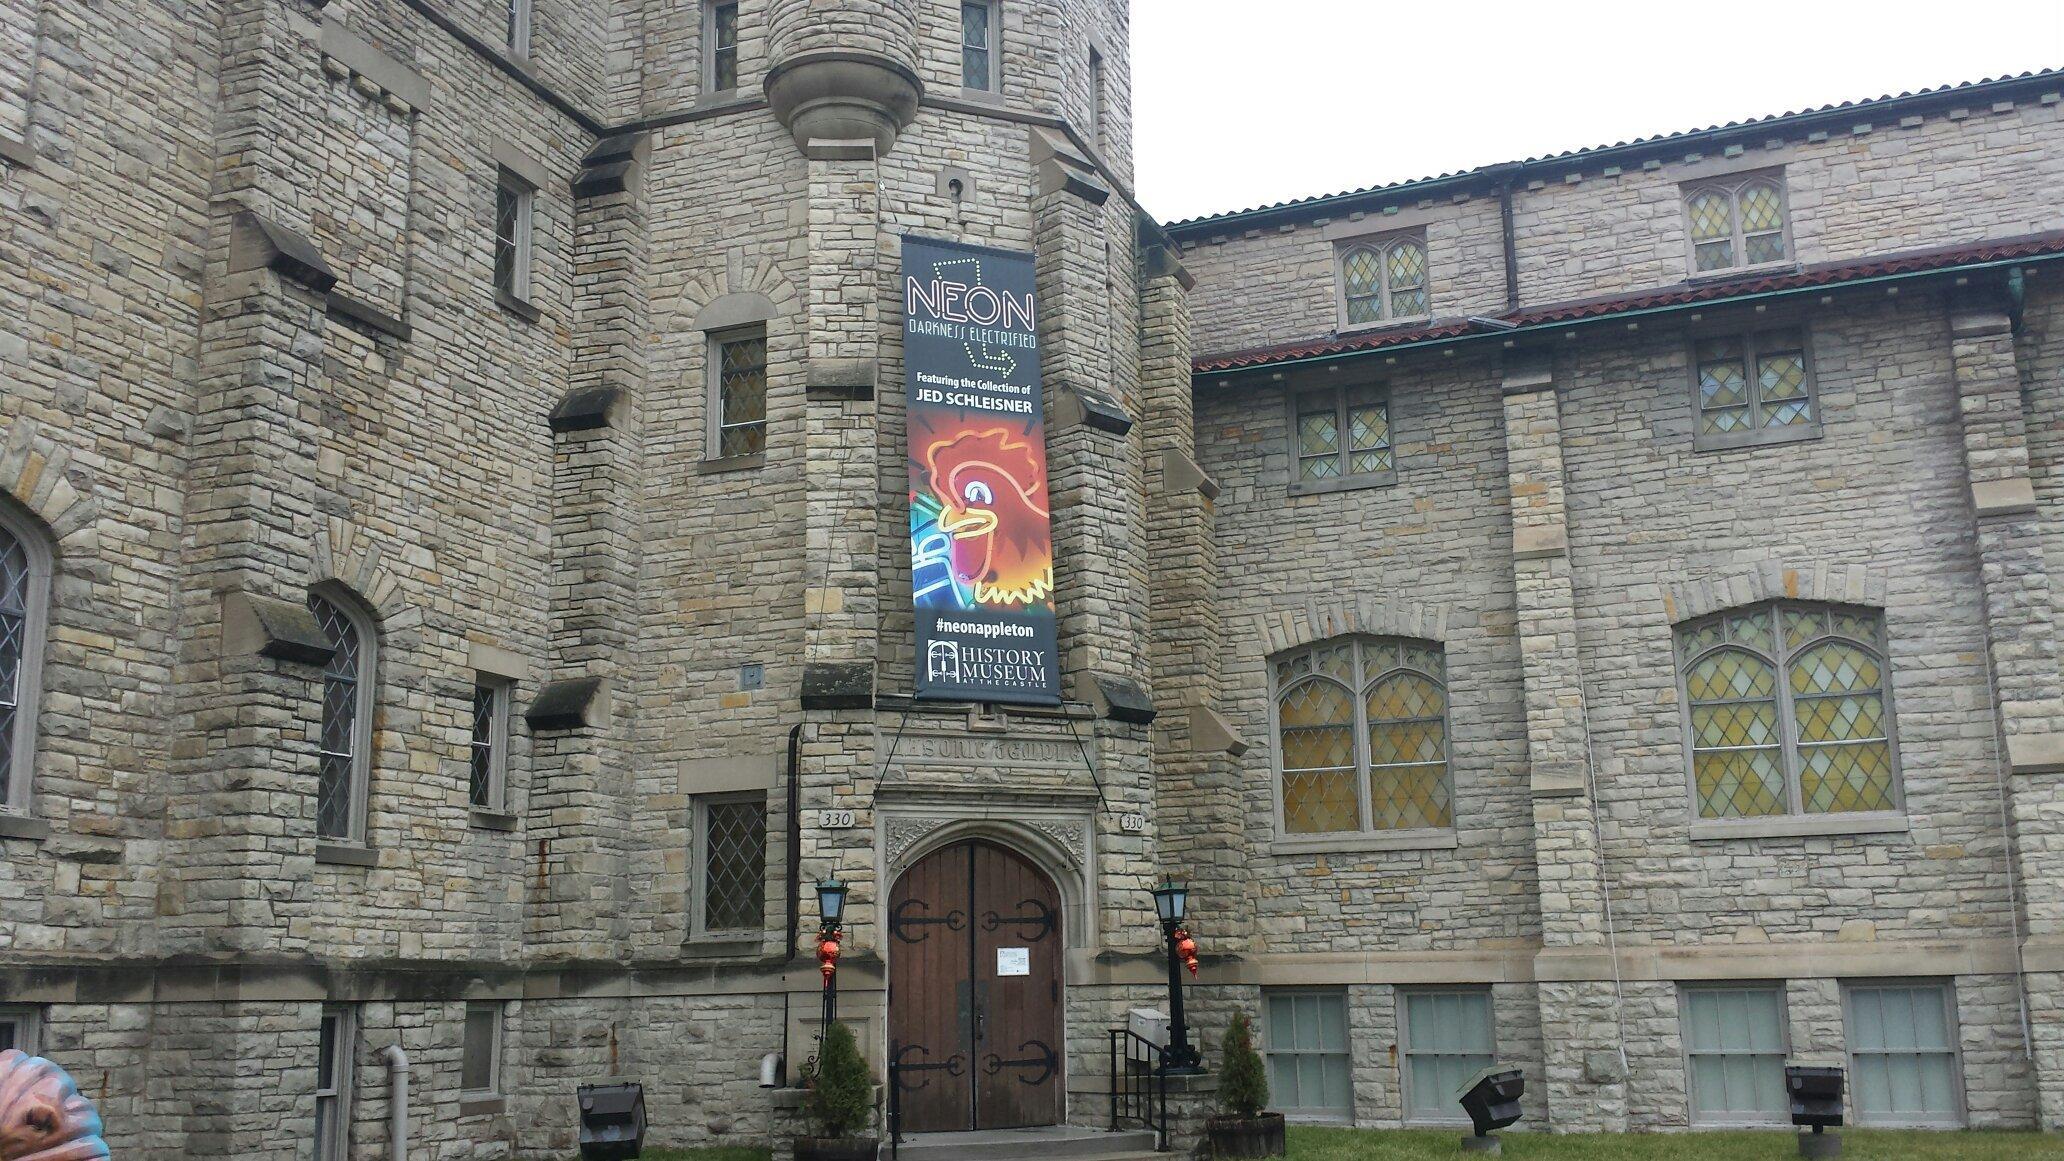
point(981, 538)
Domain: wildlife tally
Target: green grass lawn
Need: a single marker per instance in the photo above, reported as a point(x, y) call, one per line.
point(726, 1153)
point(1311, 1143)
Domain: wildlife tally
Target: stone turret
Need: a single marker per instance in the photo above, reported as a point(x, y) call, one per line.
point(843, 70)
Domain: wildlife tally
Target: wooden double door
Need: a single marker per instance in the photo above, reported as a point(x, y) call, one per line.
point(975, 991)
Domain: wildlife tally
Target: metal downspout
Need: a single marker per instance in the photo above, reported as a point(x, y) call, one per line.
point(397, 1102)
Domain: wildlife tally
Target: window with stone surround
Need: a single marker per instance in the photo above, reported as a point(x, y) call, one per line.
point(1737, 222)
point(1340, 439)
point(515, 209)
point(347, 714)
point(720, 59)
point(21, 1026)
point(480, 1056)
point(1755, 388)
point(979, 21)
point(1734, 1052)
point(1903, 1060)
point(730, 865)
point(487, 787)
point(1788, 712)
point(738, 392)
point(1362, 739)
point(1304, 1035)
point(335, 1057)
point(24, 610)
point(1444, 1035)
point(1382, 281)
point(1097, 115)
point(519, 28)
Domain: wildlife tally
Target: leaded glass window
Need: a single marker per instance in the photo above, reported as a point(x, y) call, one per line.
point(489, 749)
point(519, 28)
point(1752, 387)
point(1383, 281)
point(978, 45)
point(1736, 223)
point(513, 211)
point(1789, 712)
point(346, 719)
point(1340, 435)
point(1363, 737)
point(722, 31)
point(741, 387)
point(733, 863)
point(24, 591)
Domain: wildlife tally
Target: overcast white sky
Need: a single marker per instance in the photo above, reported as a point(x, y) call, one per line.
point(1242, 103)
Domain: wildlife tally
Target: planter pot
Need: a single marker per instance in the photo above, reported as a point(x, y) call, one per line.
point(1258, 1136)
point(836, 1148)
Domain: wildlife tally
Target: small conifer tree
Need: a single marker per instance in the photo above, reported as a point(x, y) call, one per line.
point(1242, 1084)
point(841, 1099)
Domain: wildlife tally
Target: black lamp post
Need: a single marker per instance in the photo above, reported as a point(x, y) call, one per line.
point(831, 909)
point(1171, 900)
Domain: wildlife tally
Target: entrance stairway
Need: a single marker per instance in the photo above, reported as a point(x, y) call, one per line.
point(1052, 1143)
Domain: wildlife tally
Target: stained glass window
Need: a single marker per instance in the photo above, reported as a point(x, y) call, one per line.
point(1789, 712)
point(14, 638)
point(1362, 727)
point(489, 746)
point(1384, 281)
point(978, 46)
point(722, 31)
point(1341, 433)
point(741, 393)
point(1752, 383)
point(346, 682)
point(513, 202)
point(1736, 223)
point(733, 863)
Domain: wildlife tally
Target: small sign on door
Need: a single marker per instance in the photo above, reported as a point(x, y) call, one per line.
point(1013, 961)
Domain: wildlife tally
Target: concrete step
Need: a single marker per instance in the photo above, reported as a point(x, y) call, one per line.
point(1050, 1143)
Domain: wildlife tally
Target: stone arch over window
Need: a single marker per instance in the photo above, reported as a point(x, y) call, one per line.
point(1788, 711)
point(1361, 728)
point(1383, 280)
point(26, 560)
point(1323, 618)
point(350, 683)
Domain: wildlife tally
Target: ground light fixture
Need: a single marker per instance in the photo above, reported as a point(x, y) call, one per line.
point(612, 1121)
point(1171, 904)
point(1815, 1092)
point(1491, 1098)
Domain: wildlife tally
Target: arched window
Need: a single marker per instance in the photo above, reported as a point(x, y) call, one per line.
point(347, 715)
point(1736, 223)
point(1362, 733)
point(24, 609)
point(1789, 711)
point(1383, 281)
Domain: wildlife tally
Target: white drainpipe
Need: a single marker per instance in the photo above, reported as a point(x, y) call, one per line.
point(397, 1102)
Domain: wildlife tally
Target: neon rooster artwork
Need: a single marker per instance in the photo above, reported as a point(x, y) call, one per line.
point(987, 493)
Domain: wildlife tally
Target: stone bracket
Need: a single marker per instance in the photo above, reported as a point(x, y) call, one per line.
point(270, 627)
point(2035, 753)
point(2013, 496)
point(388, 74)
point(1063, 169)
point(1557, 779)
point(1120, 699)
point(585, 410)
point(1091, 409)
point(1181, 474)
point(16, 151)
point(569, 704)
point(1539, 542)
point(368, 316)
point(612, 166)
point(833, 685)
point(837, 379)
point(1210, 733)
point(259, 243)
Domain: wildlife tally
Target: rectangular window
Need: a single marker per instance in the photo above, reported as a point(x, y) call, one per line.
point(513, 212)
point(1340, 439)
point(1903, 1055)
point(1096, 97)
point(720, 33)
point(731, 867)
point(978, 45)
point(336, 1049)
point(19, 1029)
point(739, 362)
point(1752, 389)
point(490, 746)
point(1734, 1049)
point(1304, 1035)
point(480, 1057)
point(1444, 1036)
point(519, 28)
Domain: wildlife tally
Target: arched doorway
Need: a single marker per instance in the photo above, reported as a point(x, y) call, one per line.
point(975, 951)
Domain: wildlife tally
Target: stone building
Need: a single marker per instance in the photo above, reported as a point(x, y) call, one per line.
point(1591, 613)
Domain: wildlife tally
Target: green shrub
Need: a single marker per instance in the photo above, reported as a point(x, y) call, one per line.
point(1242, 1085)
point(841, 1100)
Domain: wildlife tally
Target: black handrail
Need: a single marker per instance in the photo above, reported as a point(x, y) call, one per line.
point(1139, 1084)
